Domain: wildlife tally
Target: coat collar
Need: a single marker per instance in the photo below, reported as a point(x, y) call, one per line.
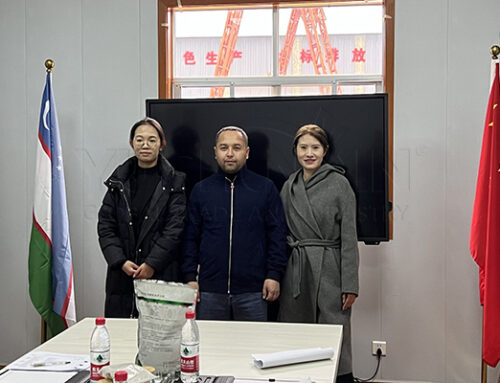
point(123, 172)
point(319, 175)
point(241, 175)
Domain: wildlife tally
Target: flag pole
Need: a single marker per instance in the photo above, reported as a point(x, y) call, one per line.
point(43, 335)
point(49, 65)
point(484, 372)
point(495, 52)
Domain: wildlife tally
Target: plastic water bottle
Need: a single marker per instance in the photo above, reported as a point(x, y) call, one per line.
point(121, 376)
point(190, 350)
point(99, 349)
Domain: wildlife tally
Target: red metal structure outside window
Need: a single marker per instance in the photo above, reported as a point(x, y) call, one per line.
point(226, 50)
point(322, 54)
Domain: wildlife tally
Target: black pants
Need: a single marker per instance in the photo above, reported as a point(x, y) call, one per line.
point(346, 378)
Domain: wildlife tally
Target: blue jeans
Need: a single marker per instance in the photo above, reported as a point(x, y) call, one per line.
point(240, 307)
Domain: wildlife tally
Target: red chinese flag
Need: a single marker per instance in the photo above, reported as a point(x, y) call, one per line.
point(485, 228)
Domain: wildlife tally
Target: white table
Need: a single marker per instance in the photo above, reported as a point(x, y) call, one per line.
point(225, 347)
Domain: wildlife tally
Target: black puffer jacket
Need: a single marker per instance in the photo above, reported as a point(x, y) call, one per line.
point(158, 241)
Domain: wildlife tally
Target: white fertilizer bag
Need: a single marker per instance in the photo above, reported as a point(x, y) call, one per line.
point(162, 307)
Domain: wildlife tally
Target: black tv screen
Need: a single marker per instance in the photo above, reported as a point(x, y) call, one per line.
point(356, 124)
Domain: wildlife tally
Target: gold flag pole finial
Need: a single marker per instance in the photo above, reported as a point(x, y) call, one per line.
point(49, 64)
point(495, 51)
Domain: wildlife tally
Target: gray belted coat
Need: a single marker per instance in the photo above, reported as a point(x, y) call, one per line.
point(321, 218)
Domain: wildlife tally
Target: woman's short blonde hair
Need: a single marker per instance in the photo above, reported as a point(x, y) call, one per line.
point(315, 131)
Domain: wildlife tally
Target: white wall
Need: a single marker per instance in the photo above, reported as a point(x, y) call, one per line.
point(106, 65)
point(418, 292)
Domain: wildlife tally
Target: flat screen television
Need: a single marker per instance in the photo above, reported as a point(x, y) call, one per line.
point(356, 125)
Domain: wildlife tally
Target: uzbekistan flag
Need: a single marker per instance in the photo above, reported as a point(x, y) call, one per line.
point(50, 266)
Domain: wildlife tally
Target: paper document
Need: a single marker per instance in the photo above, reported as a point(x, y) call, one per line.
point(292, 356)
point(33, 376)
point(50, 361)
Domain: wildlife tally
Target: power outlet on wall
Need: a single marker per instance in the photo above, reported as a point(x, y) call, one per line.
point(379, 344)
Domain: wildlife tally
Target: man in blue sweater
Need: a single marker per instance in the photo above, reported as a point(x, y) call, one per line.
point(235, 240)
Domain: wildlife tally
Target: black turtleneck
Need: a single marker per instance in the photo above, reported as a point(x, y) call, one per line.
point(142, 184)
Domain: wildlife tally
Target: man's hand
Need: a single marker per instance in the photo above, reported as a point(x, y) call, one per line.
point(270, 290)
point(144, 271)
point(129, 268)
point(348, 300)
point(197, 287)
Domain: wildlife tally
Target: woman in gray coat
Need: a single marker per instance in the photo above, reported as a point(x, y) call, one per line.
point(321, 281)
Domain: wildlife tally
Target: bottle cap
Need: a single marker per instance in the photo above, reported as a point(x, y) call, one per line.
point(100, 321)
point(189, 314)
point(121, 376)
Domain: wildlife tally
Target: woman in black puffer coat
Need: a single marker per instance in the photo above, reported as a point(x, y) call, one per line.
point(141, 220)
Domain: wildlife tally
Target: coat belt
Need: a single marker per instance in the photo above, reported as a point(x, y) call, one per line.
point(298, 251)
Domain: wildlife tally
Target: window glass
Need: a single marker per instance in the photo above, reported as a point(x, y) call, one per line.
point(253, 91)
point(201, 47)
point(303, 90)
point(318, 90)
point(201, 92)
point(358, 89)
point(331, 40)
point(286, 90)
point(340, 46)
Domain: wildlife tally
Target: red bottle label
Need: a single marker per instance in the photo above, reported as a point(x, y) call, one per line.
point(190, 364)
point(94, 371)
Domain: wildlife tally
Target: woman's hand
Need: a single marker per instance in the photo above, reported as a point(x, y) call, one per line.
point(348, 300)
point(129, 268)
point(144, 271)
